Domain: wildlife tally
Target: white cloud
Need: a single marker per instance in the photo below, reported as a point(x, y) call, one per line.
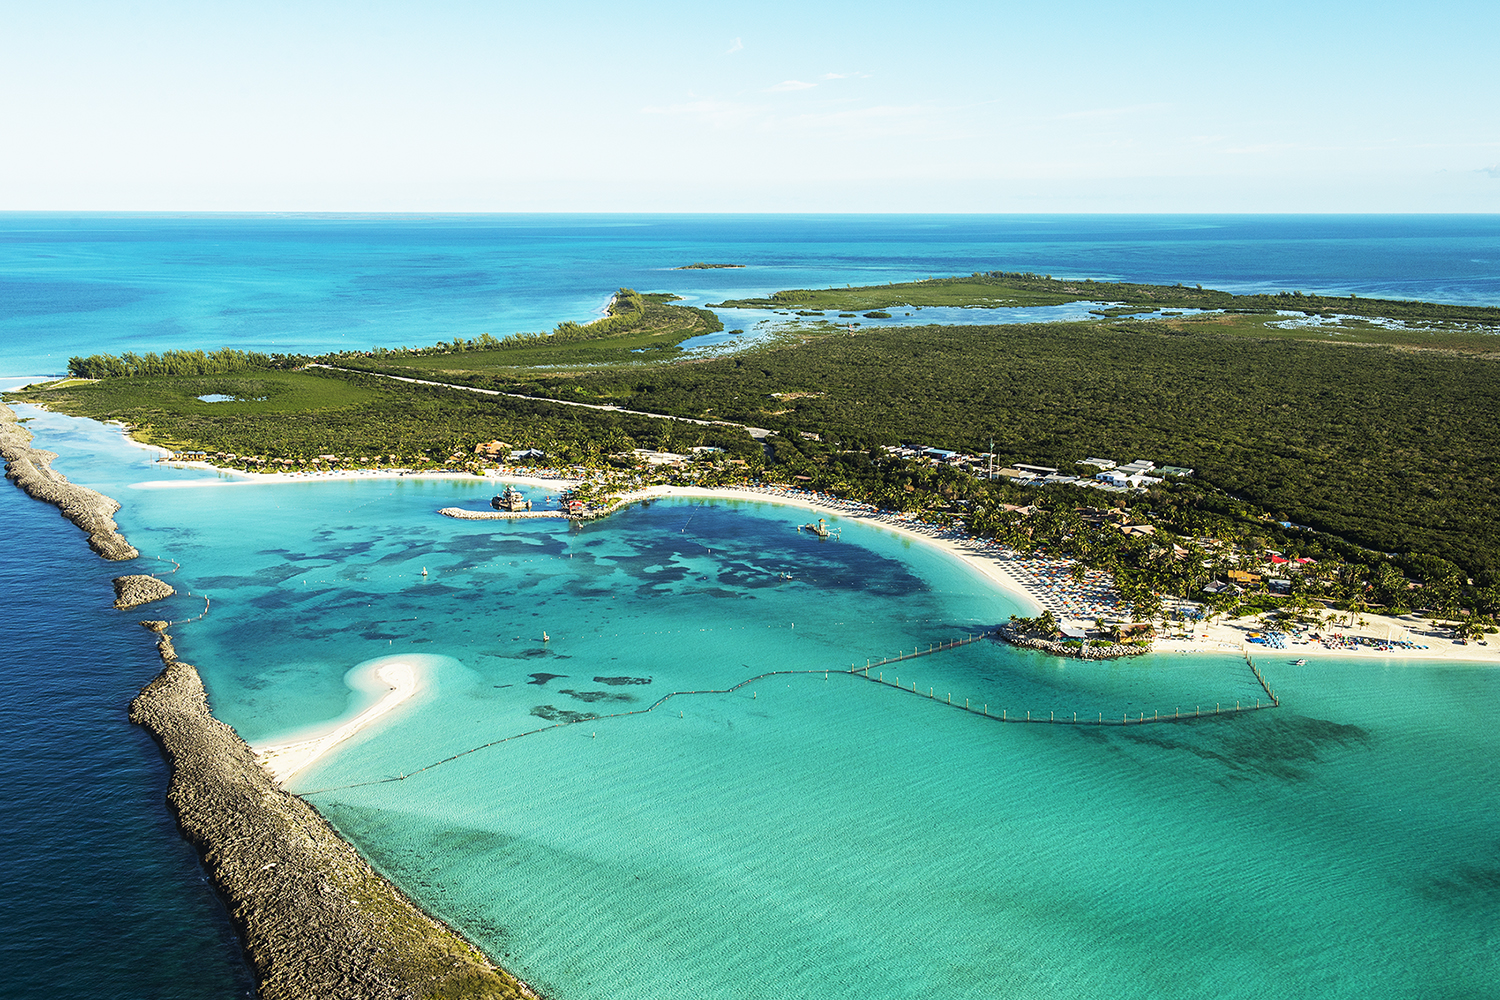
point(734, 46)
point(790, 85)
point(1492, 171)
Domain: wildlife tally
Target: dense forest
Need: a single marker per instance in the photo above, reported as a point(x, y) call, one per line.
point(132, 365)
point(1398, 450)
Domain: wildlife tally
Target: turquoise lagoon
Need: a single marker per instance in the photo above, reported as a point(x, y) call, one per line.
point(808, 834)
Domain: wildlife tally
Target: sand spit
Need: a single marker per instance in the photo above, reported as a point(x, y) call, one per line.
point(283, 760)
point(89, 509)
point(316, 919)
point(133, 591)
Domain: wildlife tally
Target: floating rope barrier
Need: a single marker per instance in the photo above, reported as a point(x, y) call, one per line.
point(863, 673)
point(199, 618)
point(175, 565)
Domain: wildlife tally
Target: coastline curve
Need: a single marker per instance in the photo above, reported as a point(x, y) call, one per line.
point(315, 918)
point(31, 469)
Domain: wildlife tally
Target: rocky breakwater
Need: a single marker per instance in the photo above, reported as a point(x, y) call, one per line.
point(31, 468)
point(1075, 649)
point(133, 591)
point(316, 920)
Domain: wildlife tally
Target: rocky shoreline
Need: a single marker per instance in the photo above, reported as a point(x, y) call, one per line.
point(31, 469)
point(133, 591)
point(1075, 650)
point(315, 918)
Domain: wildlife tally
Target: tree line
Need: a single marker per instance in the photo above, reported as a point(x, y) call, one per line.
point(221, 362)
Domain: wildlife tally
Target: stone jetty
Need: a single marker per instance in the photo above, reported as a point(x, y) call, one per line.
point(316, 920)
point(133, 591)
point(31, 468)
point(1079, 651)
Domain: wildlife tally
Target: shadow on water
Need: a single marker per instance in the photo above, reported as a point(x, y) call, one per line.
point(1277, 744)
point(1471, 889)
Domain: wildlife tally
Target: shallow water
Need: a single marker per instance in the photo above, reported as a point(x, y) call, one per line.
point(822, 834)
point(830, 837)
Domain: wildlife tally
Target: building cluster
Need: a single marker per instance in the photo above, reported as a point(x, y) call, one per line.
point(1269, 568)
point(501, 451)
point(1098, 473)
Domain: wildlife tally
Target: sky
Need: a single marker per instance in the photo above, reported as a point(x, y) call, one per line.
point(448, 106)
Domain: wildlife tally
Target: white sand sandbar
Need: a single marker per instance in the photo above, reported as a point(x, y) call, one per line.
point(283, 760)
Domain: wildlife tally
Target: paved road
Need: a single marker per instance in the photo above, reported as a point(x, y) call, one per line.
point(759, 433)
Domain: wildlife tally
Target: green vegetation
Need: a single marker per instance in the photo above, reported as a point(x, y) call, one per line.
point(364, 421)
point(1343, 428)
point(700, 266)
point(639, 329)
point(1002, 288)
point(131, 365)
point(1394, 449)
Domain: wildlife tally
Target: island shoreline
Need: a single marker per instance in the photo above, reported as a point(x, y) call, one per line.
point(31, 469)
point(313, 916)
point(993, 562)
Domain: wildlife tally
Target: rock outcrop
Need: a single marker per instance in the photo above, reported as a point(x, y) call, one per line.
point(316, 920)
point(31, 469)
point(133, 591)
point(1077, 650)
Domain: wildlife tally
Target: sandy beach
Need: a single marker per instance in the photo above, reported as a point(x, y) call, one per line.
point(1045, 583)
point(1038, 582)
point(283, 760)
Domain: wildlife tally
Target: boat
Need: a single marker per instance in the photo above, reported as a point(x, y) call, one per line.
point(819, 529)
point(511, 500)
point(1299, 663)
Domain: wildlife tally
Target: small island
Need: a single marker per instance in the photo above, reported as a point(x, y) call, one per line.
point(701, 266)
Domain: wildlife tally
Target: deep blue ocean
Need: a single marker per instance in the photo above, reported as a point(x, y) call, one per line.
point(819, 837)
